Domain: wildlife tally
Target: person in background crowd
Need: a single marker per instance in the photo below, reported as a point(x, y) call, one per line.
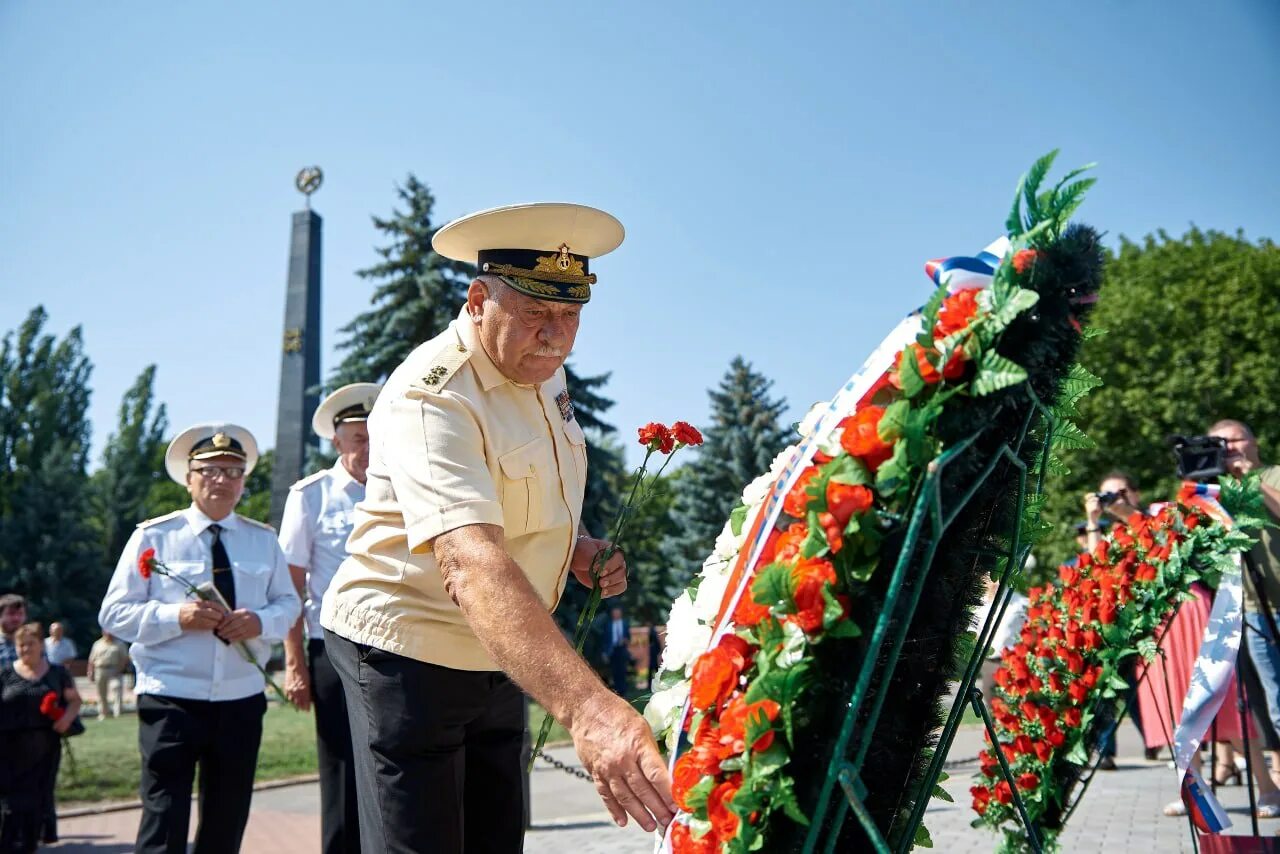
point(59, 648)
point(617, 651)
point(108, 660)
point(313, 534)
point(13, 613)
point(1262, 569)
point(200, 702)
point(38, 703)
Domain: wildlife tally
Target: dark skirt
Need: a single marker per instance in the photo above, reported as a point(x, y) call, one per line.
point(26, 778)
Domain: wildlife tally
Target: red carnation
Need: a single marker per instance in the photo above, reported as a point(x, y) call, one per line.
point(1072, 717)
point(861, 437)
point(724, 822)
point(1004, 794)
point(956, 312)
point(810, 576)
point(656, 437)
point(145, 562)
point(845, 500)
point(49, 706)
point(797, 500)
point(981, 799)
point(1028, 781)
point(685, 433)
point(1078, 691)
point(1044, 751)
point(1022, 261)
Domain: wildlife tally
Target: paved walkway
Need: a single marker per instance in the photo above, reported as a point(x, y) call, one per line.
point(1121, 812)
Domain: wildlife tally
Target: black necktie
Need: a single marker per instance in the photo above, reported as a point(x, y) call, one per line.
point(222, 577)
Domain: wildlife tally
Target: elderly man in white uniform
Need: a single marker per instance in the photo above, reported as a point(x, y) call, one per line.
point(200, 702)
point(313, 535)
point(470, 527)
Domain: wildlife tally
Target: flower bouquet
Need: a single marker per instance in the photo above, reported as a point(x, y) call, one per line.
point(1059, 689)
point(148, 563)
point(790, 614)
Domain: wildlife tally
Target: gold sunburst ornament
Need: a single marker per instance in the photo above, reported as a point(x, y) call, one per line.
point(221, 441)
point(562, 263)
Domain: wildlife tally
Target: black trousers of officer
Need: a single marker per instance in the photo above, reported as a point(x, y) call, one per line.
point(437, 753)
point(175, 736)
point(339, 818)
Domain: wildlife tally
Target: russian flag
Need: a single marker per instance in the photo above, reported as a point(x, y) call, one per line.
point(961, 272)
point(1202, 807)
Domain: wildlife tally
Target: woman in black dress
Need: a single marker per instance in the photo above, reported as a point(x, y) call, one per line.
point(38, 702)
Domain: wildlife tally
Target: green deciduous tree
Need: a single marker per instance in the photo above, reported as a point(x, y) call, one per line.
point(49, 548)
point(1192, 336)
point(745, 433)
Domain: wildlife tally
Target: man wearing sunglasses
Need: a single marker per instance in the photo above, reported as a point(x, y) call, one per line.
point(200, 702)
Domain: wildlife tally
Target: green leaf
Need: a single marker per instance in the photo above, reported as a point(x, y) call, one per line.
point(1019, 301)
point(1078, 756)
point(848, 470)
point(738, 518)
point(1147, 648)
point(844, 630)
point(815, 543)
point(923, 839)
point(1092, 332)
point(943, 795)
point(832, 610)
point(773, 587)
point(893, 472)
point(697, 796)
point(784, 796)
point(1066, 435)
point(894, 421)
point(768, 762)
point(929, 316)
point(996, 372)
point(909, 374)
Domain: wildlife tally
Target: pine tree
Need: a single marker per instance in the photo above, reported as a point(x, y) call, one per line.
point(129, 467)
point(743, 437)
point(417, 292)
point(49, 550)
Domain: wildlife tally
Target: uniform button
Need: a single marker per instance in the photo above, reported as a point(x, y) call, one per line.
point(461, 349)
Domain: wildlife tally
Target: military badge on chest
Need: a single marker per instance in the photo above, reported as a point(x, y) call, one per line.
point(565, 404)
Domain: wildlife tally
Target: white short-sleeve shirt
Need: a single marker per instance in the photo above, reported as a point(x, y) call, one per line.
point(196, 665)
point(313, 532)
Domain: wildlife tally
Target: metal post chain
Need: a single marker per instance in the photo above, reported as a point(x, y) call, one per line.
point(573, 770)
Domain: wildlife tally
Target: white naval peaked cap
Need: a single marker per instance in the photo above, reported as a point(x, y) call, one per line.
point(352, 402)
point(542, 249)
point(202, 441)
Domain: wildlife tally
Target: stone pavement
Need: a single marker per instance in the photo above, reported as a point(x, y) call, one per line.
point(1121, 812)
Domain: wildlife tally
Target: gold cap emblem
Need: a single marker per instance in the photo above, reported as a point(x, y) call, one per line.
point(221, 440)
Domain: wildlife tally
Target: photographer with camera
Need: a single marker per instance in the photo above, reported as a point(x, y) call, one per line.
point(1261, 565)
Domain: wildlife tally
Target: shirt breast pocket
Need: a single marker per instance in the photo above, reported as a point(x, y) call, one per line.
point(175, 589)
point(251, 584)
point(525, 473)
point(336, 524)
point(577, 441)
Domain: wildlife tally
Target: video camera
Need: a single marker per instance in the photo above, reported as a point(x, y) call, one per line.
point(1200, 457)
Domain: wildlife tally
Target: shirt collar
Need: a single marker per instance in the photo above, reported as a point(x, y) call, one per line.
point(200, 523)
point(469, 337)
point(341, 477)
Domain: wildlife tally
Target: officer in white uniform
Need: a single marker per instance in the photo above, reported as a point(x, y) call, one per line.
point(313, 534)
point(461, 548)
point(200, 702)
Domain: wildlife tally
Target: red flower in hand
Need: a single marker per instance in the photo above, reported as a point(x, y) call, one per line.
point(656, 437)
point(685, 433)
point(145, 561)
point(49, 706)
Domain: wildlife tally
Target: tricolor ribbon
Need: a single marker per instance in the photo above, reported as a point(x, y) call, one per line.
point(961, 272)
point(1212, 677)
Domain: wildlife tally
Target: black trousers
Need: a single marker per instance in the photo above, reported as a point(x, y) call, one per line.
point(339, 818)
point(620, 670)
point(175, 736)
point(437, 753)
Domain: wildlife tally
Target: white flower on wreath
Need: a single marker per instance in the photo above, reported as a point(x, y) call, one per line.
point(710, 595)
point(686, 637)
point(665, 706)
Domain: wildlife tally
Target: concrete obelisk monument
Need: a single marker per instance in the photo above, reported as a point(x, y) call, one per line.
point(300, 361)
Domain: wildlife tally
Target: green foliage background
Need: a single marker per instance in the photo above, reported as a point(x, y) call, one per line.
point(1192, 336)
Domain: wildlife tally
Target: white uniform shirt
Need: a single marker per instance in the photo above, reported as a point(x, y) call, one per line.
point(313, 533)
point(59, 651)
point(196, 665)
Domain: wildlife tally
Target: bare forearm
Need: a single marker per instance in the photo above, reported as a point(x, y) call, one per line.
point(293, 653)
point(516, 630)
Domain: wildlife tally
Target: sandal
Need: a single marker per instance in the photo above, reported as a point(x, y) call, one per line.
point(1268, 807)
point(1231, 777)
point(1175, 809)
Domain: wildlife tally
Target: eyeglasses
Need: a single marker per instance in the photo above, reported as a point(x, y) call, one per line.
point(229, 472)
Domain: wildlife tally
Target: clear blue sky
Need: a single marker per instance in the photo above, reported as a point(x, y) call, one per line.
point(783, 170)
